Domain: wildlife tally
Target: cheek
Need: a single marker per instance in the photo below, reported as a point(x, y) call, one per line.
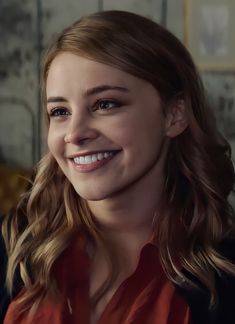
point(142, 132)
point(117, 130)
point(55, 141)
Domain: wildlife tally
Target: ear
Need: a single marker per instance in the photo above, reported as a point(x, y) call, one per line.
point(176, 119)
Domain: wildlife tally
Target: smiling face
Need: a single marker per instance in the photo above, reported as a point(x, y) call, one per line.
point(107, 128)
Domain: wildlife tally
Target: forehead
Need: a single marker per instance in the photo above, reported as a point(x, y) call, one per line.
point(71, 70)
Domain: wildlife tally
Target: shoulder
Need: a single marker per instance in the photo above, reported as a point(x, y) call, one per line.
point(227, 248)
point(199, 299)
point(226, 285)
point(5, 298)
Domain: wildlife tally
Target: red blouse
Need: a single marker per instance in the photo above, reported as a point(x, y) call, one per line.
point(146, 297)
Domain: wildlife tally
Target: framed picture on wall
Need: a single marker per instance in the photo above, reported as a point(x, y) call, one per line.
point(210, 33)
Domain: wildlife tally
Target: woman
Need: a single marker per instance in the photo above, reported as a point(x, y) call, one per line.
point(128, 219)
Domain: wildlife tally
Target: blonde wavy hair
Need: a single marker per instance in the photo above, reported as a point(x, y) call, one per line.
point(199, 170)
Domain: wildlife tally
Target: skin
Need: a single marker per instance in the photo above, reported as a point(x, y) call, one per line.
point(124, 192)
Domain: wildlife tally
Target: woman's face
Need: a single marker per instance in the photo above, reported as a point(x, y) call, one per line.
point(107, 128)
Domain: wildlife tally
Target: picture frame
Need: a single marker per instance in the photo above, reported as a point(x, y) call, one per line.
point(210, 33)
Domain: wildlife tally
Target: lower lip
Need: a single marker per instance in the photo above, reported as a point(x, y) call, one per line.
point(94, 165)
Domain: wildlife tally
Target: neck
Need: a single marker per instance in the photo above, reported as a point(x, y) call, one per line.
point(126, 221)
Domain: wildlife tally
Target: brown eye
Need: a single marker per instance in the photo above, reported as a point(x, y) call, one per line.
point(57, 112)
point(107, 104)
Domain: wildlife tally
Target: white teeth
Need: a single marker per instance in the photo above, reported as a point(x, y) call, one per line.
point(76, 160)
point(100, 156)
point(87, 159)
point(94, 158)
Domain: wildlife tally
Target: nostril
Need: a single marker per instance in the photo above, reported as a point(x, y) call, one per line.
point(79, 136)
point(75, 140)
point(67, 138)
point(83, 140)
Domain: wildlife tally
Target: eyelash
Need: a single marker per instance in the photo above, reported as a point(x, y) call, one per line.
point(58, 112)
point(114, 104)
point(99, 105)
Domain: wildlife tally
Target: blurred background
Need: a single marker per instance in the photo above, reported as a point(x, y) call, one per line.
point(26, 27)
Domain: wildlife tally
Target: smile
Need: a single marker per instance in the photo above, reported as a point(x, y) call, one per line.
point(88, 159)
point(93, 161)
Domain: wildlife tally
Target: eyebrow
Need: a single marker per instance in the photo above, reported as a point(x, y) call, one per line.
point(90, 92)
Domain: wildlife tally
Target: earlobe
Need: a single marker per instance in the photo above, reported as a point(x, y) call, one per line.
point(176, 119)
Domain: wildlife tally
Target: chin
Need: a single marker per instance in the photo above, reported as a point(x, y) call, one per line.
point(93, 195)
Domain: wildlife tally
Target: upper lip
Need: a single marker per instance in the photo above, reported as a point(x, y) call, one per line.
point(75, 155)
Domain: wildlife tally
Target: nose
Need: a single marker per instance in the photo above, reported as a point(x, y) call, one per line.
point(80, 130)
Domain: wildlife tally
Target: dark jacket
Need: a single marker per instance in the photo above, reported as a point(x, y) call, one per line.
point(198, 299)
point(223, 312)
point(5, 299)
